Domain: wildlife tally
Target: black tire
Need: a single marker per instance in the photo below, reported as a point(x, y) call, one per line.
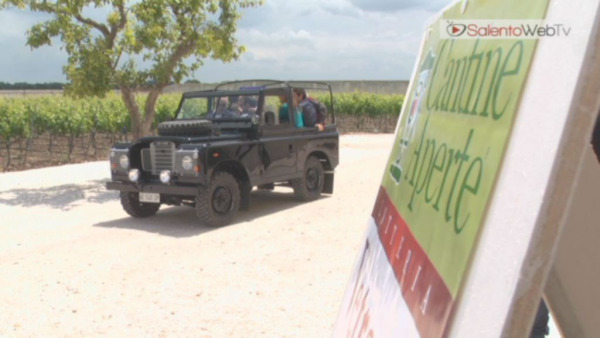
point(310, 186)
point(218, 204)
point(185, 128)
point(132, 205)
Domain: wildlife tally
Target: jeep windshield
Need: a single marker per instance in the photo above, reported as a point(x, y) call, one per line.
point(223, 106)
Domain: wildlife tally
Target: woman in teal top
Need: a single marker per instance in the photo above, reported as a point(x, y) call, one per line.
point(284, 110)
point(284, 113)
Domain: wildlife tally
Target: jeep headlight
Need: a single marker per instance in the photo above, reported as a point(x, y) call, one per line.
point(165, 176)
point(134, 175)
point(124, 161)
point(187, 163)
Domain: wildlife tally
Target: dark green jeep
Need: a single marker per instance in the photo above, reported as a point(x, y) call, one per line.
point(221, 144)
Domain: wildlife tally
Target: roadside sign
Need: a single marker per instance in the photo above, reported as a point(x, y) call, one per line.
point(466, 175)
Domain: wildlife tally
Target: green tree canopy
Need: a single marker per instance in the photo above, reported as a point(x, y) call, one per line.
point(149, 43)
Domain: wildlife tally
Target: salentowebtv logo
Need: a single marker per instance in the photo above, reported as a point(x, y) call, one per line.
point(502, 29)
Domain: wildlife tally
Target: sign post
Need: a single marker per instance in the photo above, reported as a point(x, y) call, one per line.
point(487, 148)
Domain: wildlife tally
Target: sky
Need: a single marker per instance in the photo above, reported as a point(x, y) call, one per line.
point(284, 39)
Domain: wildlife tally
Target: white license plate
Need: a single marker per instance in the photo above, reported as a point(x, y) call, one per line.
point(149, 197)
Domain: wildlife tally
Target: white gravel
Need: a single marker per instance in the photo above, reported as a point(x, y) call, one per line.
point(72, 263)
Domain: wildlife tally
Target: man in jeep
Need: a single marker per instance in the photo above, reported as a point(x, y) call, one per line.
point(309, 112)
point(247, 105)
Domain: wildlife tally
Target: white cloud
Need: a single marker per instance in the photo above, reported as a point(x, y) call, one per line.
point(398, 5)
point(341, 8)
point(285, 39)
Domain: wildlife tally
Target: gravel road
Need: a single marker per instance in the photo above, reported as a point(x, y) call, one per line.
point(72, 263)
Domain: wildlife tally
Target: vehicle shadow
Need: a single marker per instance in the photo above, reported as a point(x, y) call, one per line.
point(178, 222)
point(63, 197)
point(263, 203)
point(182, 221)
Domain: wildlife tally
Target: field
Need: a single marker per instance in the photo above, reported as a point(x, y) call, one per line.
point(38, 131)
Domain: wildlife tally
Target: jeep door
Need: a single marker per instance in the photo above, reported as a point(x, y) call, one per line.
point(279, 155)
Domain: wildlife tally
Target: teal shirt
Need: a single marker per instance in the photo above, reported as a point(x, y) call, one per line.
point(299, 119)
point(284, 116)
point(284, 113)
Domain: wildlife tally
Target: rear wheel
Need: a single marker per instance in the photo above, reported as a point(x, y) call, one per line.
point(310, 186)
point(132, 205)
point(218, 204)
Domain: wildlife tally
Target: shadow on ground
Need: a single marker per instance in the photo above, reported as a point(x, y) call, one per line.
point(182, 221)
point(62, 197)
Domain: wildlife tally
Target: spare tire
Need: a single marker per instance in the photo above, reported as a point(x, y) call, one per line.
point(185, 128)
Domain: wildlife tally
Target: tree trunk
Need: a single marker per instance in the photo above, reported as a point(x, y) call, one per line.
point(30, 140)
point(50, 143)
point(134, 112)
point(7, 164)
point(141, 125)
point(70, 146)
point(150, 108)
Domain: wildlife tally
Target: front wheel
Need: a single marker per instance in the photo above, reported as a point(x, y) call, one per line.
point(218, 204)
point(310, 186)
point(132, 205)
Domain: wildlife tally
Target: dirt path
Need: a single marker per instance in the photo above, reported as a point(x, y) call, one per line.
point(72, 263)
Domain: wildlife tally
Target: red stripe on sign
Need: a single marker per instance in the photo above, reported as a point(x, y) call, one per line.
point(424, 291)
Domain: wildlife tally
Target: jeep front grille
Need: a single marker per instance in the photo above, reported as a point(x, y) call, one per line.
point(162, 156)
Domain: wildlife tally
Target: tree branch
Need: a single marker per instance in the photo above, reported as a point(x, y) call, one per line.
point(182, 50)
point(121, 7)
point(175, 11)
point(117, 59)
point(150, 111)
point(114, 29)
point(102, 28)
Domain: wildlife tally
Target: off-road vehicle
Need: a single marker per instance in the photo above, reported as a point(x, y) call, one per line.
point(222, 143)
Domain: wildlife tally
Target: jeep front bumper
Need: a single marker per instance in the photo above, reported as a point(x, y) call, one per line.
point(166, 189)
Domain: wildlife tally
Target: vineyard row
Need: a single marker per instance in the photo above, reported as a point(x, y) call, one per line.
point(61, 116)
point(43, 150)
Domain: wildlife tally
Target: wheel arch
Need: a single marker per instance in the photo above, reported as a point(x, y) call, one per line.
point(322, 156)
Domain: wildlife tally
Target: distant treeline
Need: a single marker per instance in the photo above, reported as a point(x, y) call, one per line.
point(31, 86)
point(50, 85)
